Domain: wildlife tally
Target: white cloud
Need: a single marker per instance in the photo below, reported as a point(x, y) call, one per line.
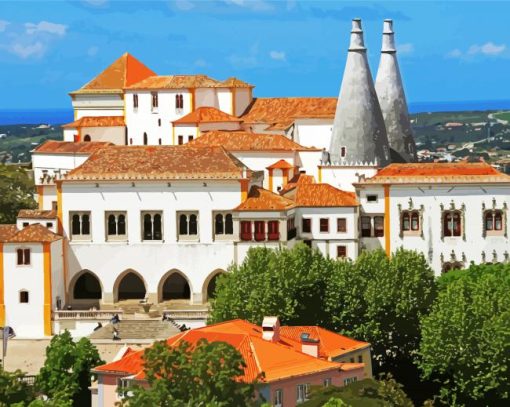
point(406, 48)
point(92, 51)
point(488, 48)
point(3, 25)
point(278, 55)
point(184, 5)
point(454, 53)
point(25, 51)
point(46, 27)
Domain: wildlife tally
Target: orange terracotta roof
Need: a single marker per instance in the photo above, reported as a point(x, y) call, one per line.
point(323, 195)
point(234, 82)
point(37, 214)
point(280, 165)
point(206, 114)
point(461, 172)
point(124, 72)
point(175, 82)
point(281, 110)
point(97, 121)
point(277, 360)
point(158, 163)
point(7, 231)
point(331, 344)
point(69, 147)
point(281, 126)
point(296, 180)
point(260, 199)
point(35, 233)
point(246, 141)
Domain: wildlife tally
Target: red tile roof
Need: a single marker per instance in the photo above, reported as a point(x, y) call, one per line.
point(175, 82)
point(234, 82)
point(280, 165)
point(7, 231)
point(124, 72)
point(69, 147)
point(296, 180)
point(246, 141)
point(206, 114)
point(34, 233)
point(275, 111)
point(158, 163)
point(323, 195)
point(461, 172)
point(37, 214)
point(260, 199)
point(97, 121)
point(277, 360)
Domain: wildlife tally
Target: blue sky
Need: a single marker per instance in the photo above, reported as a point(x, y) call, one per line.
point(447, 50)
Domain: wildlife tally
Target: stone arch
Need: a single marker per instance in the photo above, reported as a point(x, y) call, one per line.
point(85, 289)
point(452, 265)
point(210, 284)
point(174, 285)
point(129, 285)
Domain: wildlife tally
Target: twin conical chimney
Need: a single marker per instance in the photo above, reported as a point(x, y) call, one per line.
point(359, 134)
point(392, 100)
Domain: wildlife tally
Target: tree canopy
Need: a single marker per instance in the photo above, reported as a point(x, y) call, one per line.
point(202, 375)
point(16, 192)
point(465, 342)
point(66, 371)
point(13, 389)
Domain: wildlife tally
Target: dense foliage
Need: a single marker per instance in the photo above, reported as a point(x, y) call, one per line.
point(200, 375)
point(13, 390)
point(16, 192)
point(66, 371)
point(466, 338)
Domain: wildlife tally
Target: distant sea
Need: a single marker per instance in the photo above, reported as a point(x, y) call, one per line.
point(60, 115)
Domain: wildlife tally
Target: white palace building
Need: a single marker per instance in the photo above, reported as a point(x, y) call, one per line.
point(162, 182)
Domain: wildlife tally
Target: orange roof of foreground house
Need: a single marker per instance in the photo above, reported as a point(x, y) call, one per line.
point(279, 111)
point(37, 214)
point(206, 114)
point(460, 172)
point(298, 179)
point(175, 82)
point(69, 147)
point(260, 199)
point(280, 165)
point(124, 72)
point(331, 344)
point(97, 121)
point(277, 360)
point(35, 233)
point(246, 141)
point(323, 195)
point(158, 163)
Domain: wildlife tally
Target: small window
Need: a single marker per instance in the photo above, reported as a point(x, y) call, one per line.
point(273, 230)
point(341, 252)
point(80, 225)
point(159, 122)
point(116, 226)
point(86, 138)
point(260, 230)
point(410, 222)
point(246, 234)
point(49, 225)
point(350, 380)
point(351, 360)
point(327, 382)
point(493, 222)
point(378, 226)
point(190, 138)
point(343, 152)
point(151, 223)
point(23, 257)
point(324, 225)
point(131, 141)
point(278, 398)
point(223, 224)
point(159, 141)
point(372, 198)
point(145, 139)
point(25, 224)
point(188, 225)
point(366, 229)
point(154, 97)
point(452, 223)
point(135, 101)
point(23, 297)
point(180, 140)
point(341, 225)
point(179, 101)
point(360, 358)
point(307, 225)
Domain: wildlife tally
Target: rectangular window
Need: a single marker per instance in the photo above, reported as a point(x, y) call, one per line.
point(327, 382)
point(23, 257)
point(341, 251)
point(180, 140)
point(366, 226)
point(410, 222)
point(25, 224)
point(23, 297)
point(452, 223)
point(300, 396)
point(278, 398)
point(246, 230)
point(350, 380)
point(372, 198)
point(116, 226)
point(179, 101)
point(307, 225)
point(379, 226)
point(273, 230)
point(341, 225)
point(324, 225)
point(154, 98)
point(152, 226)
point(49, 225)
point(135, 101)
point(188, 225)
point(190, 138)
point(360, 358)
point(260, 232)
point(80, 225)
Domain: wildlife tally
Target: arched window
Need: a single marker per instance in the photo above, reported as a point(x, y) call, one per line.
point(85, 225)
point(415, 221)
point(80, 225)
point(75, 226)
point(145, 139)
point(452, 223)
point(410, 222)
point(183, 225)
point(23, 297)
point(121, 225)
point(218, 224)
point(193, 225)
point(86, 138)
point(112, 225)
point(152, 226)
point(157, 227)
point(147, 227)
point(378, 226)
point(454, 265)
point(343, 151)
point(493, 222)
point(229, 225)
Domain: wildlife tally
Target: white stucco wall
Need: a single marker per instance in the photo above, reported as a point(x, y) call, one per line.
point(343, 177)
point(52, 162)
point(242, 100)
point(313, 132)
point(115, 135)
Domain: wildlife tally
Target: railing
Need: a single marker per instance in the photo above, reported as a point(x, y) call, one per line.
point(28, 379)
point(81, 314)
point(187, 314)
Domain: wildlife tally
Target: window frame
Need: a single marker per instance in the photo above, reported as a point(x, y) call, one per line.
point(23, 291)
point(23, 256)
point(224, 224)
point(278, 398)
point(379, 228)
point(81, 236)
point(372, 198)
point(449, 229)
point(180, 140)
point(307, 221)
point(135, 101)
point(408, 217)
point(116, 237)
point(493, 231)
point(364, 232)
point(154, 101)
point(341, 248)
point(341, 225)
point(152, 215)
point(326, 223)
point(188, 237)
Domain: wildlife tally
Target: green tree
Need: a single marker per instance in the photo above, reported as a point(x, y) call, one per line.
point(13, 389)
point(287, 283)
point(16, 192)
point(66, 370)
point(202, 375)
point(466, 338)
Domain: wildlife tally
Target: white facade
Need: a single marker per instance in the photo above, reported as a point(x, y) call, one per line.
point(97, 104)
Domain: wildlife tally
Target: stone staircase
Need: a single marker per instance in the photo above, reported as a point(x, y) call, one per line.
point(136, 330)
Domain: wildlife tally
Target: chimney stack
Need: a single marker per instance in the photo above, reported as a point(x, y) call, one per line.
point(392, 100)
point(309, 346)
point(271, 329)
point(359, 133)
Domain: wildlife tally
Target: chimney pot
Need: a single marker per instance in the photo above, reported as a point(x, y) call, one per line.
point(357, 43)
point(271, 329)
